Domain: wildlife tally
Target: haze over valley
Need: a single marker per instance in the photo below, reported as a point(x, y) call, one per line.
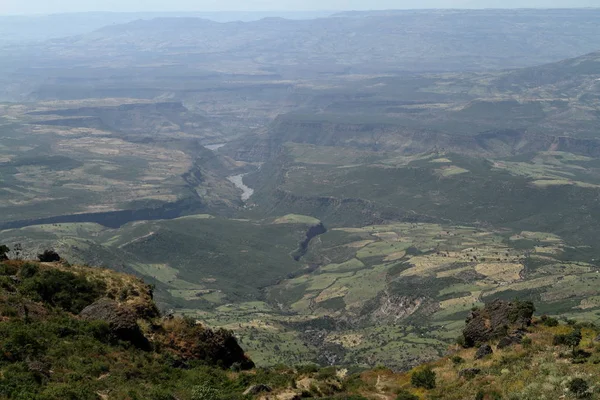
point(334, 187)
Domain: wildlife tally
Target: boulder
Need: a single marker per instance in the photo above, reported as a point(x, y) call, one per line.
point(469, 373)
point(495, 320)
point(257, 389)
point(483, 351)
point(122, 321)
point(193, 341)
point(508, 341)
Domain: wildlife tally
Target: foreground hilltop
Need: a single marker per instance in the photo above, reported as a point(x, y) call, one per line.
point(72, 332)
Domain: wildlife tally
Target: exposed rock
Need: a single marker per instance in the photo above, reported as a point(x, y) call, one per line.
point(191, 341)
point(469, 373)
point(483, 351)
point(495, 320)
point(508, 341)
point(257, 389)
point(122, 321)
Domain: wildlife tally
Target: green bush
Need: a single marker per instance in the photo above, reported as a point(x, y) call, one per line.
point(578, 387)
point(19, 342)
point(549, 321)
point(457, 360)
point(559, 340)
point(406, 395)
point(423, 378)
point(29, 271)
point(326, 373)
point(63, 289)
point(307, 368)
point(8, 270)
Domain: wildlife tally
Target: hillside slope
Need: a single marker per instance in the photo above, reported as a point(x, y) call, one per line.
point(69, 332)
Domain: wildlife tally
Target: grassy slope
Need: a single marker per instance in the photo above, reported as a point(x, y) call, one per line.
point(536, 371)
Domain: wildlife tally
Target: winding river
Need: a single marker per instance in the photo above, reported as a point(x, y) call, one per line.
point(214, 147)
point(238, 181)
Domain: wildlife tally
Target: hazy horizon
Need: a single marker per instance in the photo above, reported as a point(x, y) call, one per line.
point(36, 7)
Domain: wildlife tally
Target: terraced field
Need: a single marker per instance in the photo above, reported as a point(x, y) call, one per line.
point(394, 293)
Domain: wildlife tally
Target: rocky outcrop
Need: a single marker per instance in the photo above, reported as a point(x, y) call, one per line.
point(397, 307)
point(257, 389)
point(497, 319)
point(190, 341)
point(121, 320)
point(509, 341)
point(483, 351)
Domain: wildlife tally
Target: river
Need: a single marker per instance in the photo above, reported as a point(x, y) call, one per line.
point(238, 181)
point(214, 147)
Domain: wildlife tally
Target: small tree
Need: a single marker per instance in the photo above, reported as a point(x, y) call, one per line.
point(3, 250)
point(573, 339)
point(423, 378)
point(49, 256)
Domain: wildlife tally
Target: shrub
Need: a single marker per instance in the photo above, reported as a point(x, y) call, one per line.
point(559, 340)
point(8, 270)
point(526, 342)
point(549, 321)
point(457, 360)
point(326, 373)
point(578, 387)
point(29, 271)
point(3, 251)
point(406, 395)
point(423, 378)
point(307, 368)
point(18, 342)
point(63, 289)
point(49, 256)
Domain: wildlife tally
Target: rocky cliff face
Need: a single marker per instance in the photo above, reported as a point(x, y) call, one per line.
point(497, 319)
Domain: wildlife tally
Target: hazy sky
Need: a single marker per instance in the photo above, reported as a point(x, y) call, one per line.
point(55, 6)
